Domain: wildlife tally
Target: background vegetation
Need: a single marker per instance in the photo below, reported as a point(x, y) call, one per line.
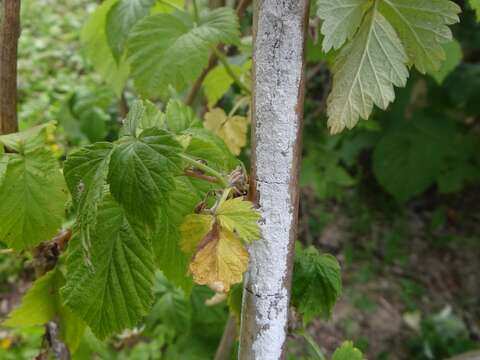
point(396, 200)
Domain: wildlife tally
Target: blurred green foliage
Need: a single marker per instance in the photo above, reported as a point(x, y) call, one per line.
point(427, 142)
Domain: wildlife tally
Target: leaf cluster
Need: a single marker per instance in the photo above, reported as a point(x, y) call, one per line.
point(378, 40)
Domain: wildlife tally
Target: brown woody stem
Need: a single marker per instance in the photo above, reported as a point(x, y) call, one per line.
point(240, 11)
point(9, 34)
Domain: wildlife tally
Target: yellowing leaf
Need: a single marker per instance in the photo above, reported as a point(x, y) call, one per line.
point(220, 261)
point(233, 130)
point(194, 228)
point(240, 217)
point(6, 343)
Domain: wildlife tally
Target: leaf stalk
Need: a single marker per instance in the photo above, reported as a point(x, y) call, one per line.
point(223, 60)
point(206, 169)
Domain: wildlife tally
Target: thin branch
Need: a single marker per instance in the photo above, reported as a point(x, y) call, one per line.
point(224, 350)
point(240, 11)
point(205, 168)
point(313, 344)
point(9, 34)
point(45, 259)
point(122, 106)
point(198, 83)
point(242, 7)
point(46, 254)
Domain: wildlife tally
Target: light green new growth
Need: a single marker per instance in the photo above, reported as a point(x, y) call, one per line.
point(217, 83)
point(475, 4)
point(240, 217)
point(38, 305)
point(385, 36)
point(347, 352)
point(42, 304)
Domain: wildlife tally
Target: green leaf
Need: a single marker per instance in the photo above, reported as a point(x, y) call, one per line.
point(365, 72)
point(408, 159)
point(239, 216)
point(208, 322)
point(39, 305)
point(85, 114)
point(341, 19)
point(141, 172)
point(167, 49)
point(422, 28)
point(32, 199)
point(180, 117)
point(166, 242)
point(172, 307)
point(85, 172)
point(347, 352)
point(27, 141)
point(152, 117)
point(475, 4)
point(120, 19)
point(218, 81)
point(117, 293)
point(322, 171)
point(454, 179)
point(234, 301)
point(42, 304)
point(3, 165)
point(97, 50)
point(141, 116)
point(209, 147)
point(167, 6)
point(454, 56)
point(135, 115)
point(317, 283)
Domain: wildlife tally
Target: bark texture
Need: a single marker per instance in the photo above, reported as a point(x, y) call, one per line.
point(9, 33)
point(278, 88)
